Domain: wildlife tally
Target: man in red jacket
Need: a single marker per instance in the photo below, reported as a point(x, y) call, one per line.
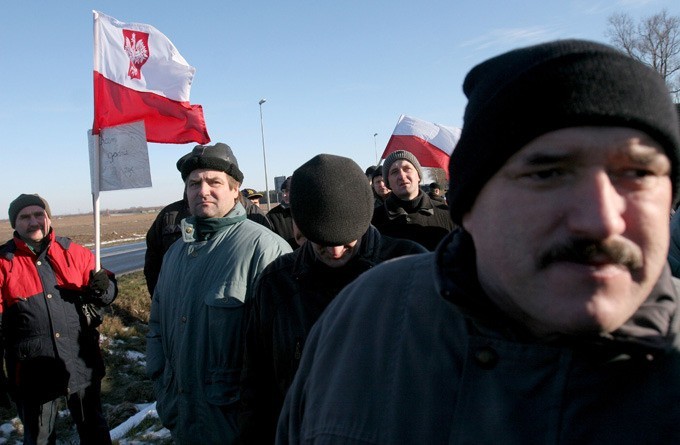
point(48, 291)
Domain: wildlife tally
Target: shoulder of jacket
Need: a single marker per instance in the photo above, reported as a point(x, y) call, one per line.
point(7, 250)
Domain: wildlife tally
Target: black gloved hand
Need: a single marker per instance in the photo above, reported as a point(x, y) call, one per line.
point(99, 282)
point(72, 293)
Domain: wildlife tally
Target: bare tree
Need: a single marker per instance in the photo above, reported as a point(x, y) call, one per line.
point(654, 41)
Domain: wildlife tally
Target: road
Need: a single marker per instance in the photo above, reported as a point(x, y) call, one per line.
point(125, 258)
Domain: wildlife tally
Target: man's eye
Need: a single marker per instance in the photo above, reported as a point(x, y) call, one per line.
point(548, 173)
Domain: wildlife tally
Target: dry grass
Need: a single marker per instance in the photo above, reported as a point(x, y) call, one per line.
point(80, 228)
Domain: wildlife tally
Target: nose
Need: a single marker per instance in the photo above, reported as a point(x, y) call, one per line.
point(597, 208)
point(204, 189)
point(335, 251)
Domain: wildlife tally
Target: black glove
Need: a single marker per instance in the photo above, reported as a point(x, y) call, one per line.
point(99, 282)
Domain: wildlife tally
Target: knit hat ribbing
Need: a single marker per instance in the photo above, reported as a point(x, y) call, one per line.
point(395, 156)
point(520, 95)
point(330, 200)
point(214, 157)
point(25, 200)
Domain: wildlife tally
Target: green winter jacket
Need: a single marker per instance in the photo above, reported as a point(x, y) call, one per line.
point(195, 339)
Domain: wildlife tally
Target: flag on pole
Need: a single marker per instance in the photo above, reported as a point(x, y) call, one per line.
point(140, 75)
point(432, 144)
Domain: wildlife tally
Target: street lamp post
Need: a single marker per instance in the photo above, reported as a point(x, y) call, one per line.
point(375, 147)
point(264, 155)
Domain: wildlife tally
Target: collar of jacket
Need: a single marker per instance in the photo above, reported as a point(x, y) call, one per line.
point(191, 226)
point(397, 207)
point(45, 243)
point(651, 328)
point(307, 266)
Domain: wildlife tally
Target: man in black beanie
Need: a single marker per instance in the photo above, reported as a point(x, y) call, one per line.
point(551, 315)
point(407, 212)
point(332, 206)
point(194, 347)
point(50, 344)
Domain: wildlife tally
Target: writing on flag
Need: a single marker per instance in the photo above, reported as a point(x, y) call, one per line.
point(140, 75)
point(432, 144)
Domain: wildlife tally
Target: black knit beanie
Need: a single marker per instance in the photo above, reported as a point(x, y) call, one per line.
point(330, 200)
point(214, 157)
point(23, 201)
point(520, 95)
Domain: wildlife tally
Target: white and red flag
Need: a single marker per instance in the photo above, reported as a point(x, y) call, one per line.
point(432, 144)
point(140, 75)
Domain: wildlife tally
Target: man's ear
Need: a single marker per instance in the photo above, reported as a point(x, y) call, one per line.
point(299, 237)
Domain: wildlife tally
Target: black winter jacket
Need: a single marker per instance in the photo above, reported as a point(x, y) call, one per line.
point(291, 294)
point(421, 220)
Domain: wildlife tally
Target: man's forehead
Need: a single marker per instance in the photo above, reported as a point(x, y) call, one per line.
point(206, 173)
point(401, 163)
point(578, 142)
point(31, 210)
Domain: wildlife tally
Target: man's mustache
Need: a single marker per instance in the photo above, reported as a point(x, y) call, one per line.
point(586, 251)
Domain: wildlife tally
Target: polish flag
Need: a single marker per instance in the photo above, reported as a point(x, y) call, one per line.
point(432, 144)
point(140, 75)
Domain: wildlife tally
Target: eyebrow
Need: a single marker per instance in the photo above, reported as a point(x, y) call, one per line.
point(548, 159)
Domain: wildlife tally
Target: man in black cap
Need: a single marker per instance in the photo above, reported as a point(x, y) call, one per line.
point(281, 218)
point(332, 207)
point(380, 189)
point(50, 343)
point(551, 316)
point(166, 229)
point(408, 212)
point(436, 192)
point(195, 339)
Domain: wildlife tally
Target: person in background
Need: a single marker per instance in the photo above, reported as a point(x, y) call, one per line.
point(49, 295)
point(252, 195)
point(281, 218)
point(332, 207)
point(195, 339)
point(551, 315)
point(369, 172)
point(408, 212)
point(380, 190)
point(166, 229)
point(436, 192)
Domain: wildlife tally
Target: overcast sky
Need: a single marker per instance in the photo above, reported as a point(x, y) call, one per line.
point(333, 73)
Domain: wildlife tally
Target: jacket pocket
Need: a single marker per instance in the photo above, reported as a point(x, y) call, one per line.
point(28, 349)
point(222, 387)
point(227, 294)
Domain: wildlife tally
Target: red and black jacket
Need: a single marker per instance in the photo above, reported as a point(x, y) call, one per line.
point(49, 349)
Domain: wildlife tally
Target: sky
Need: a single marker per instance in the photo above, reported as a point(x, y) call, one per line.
point(333, 74)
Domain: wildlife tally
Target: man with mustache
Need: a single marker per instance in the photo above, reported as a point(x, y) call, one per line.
point(194, 348)
point(49, 290)
point(551, 315)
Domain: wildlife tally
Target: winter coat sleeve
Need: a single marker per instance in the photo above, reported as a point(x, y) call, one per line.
point(155, 357)
point(258, 412)
point(674, 250)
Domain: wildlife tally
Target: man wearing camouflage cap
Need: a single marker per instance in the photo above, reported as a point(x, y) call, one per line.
point(551, 316)
point(195, 344)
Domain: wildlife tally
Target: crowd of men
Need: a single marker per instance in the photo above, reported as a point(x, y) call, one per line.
point(529, 300)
